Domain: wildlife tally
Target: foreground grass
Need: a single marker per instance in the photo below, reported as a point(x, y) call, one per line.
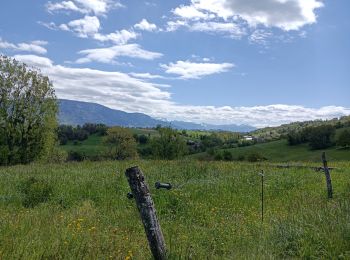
point(213, 212)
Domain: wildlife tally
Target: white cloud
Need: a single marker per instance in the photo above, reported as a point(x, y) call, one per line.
point(260, 36)
point(96, 7)
point(145, 26)
point(192, 70)
point(146, 75)
point(118, 37)
point(35, 46)
point(33, 60)
point(85, 27)
point(190, 12)
point(121, 91)
point(231, 29)
point(110, 54)
point(284, 14)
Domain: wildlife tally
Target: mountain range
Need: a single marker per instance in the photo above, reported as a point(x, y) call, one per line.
point(78, 113)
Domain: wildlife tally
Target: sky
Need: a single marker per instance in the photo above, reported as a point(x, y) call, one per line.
point(256, 62)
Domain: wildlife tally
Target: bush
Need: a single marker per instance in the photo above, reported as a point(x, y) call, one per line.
point(76, 156)
point(57, 156)
point(121, 144)
point(241, 157)
point(168, 145)
point(343, 139)
point(255, 157)
point(227, 156)
point(34, 192)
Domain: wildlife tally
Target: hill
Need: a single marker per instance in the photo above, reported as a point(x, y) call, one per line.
point(78, 113)
point(280, 151)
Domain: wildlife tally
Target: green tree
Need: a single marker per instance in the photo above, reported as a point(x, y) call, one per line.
point(28, 109)
point(321, 136)
point(120, 143)
point(168, 145)
point(343, 139)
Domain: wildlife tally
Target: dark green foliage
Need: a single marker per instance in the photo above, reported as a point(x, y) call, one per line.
point(27, 113)
point(142, 139)
point(168, 145)
point(210, 141)
point(76, 156)
point(120, 143)
point(318, 137)
point(343, 139)
point(321, 137)
point(297, 137)
point(227, 155)
point(255, 157)
point(34, 192)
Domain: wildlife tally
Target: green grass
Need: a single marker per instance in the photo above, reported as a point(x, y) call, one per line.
point(213, 212)
point(280, 151)
point(91, 147)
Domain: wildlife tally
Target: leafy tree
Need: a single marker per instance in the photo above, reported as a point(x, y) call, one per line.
point(343, 139)
point(321, 136)
point(28, 109)
point(168, 145)
point(121, 143)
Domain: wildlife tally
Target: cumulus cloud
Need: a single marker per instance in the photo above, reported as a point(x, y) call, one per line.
point(192, 70)
point(118, 37)
point(237, 18)
point(122, 91)
point(85, 27)
point(35, 46)
point(96, 7)
point(110, 54)
point(144, 25)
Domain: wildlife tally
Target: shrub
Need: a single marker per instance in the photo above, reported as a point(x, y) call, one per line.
point(343, 139)
point(255, 157)
point(76, 156)
point(121, 144)
point(168, 145)
point(34, 192)
point(241, 157)
point(227, 155)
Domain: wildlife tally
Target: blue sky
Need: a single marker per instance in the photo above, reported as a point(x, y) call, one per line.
point(258, 62)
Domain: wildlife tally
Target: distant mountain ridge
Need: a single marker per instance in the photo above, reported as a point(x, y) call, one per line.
point(78, 113)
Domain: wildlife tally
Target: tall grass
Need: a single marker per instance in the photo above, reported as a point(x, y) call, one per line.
point(212, 213)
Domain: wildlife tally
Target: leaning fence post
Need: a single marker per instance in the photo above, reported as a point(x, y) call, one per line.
point(328, 176)
point(147, 211)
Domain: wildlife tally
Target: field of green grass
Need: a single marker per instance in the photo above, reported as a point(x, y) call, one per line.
point(280, 151)
point(92, 146)
point(212, 213)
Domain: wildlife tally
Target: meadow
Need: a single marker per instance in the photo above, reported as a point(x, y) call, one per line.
point(213, 212)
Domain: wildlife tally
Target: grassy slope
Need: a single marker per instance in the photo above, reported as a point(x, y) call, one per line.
point(91, 146)
point(279, 151)
point(214, 214)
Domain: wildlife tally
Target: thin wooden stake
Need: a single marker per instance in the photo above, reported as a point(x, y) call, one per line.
point(147, 211)
point(328, 176)
point(262, 196)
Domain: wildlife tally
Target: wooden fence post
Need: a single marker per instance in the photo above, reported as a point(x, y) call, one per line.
point(147, 211)
point(328, 176)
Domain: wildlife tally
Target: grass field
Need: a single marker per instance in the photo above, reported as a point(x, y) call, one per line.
point(280, 151)
point(213, 212)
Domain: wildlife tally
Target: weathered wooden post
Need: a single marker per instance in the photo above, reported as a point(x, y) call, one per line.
point(328, 176)
point(147, 211)
point(262, 195)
